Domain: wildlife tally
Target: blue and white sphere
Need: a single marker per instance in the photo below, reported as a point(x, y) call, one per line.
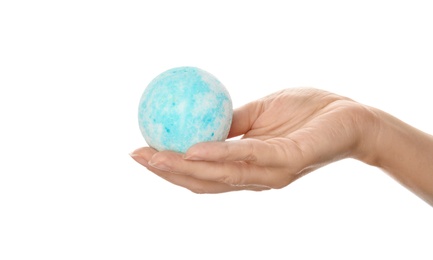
point(184, 106)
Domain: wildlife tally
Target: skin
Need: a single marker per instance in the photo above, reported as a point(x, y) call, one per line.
point(291, 133)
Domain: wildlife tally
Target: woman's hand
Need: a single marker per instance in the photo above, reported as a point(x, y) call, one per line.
point(285, 136)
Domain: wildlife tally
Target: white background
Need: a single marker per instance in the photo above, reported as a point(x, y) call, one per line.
point(71, 76)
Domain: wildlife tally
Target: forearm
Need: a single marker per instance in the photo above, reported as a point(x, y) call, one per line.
point(405, 153)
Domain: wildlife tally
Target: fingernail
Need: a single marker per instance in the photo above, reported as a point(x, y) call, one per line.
point(139, 159)
point(160, 166)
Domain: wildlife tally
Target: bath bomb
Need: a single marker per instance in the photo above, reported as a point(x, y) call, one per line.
point(184, 106)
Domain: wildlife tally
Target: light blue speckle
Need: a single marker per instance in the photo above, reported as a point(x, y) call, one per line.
point(184, 106)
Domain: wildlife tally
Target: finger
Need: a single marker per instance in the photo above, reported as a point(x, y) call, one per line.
point(243, 118)
point(237, 173)
point(271, 153)
point(143, 155)
point(201, 186)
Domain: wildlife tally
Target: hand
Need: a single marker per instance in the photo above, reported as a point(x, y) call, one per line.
point(285, 136)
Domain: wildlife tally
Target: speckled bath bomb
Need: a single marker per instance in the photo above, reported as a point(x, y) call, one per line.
point(184, 106)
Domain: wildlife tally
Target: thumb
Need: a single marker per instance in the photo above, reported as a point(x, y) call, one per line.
point(244, 117)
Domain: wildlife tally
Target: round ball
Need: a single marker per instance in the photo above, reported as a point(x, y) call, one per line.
point(184, 106)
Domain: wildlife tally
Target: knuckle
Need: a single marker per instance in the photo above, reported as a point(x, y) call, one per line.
point(282, 181)
point(251, 151)
point(227, 179)
point(278, 186)
point(235, 177)
point(198, 190)
point(226, 151)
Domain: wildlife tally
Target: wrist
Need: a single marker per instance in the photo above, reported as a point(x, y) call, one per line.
point(402, 151)
point(371, 125)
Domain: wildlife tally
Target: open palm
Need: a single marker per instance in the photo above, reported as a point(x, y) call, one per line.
point(285, 135)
